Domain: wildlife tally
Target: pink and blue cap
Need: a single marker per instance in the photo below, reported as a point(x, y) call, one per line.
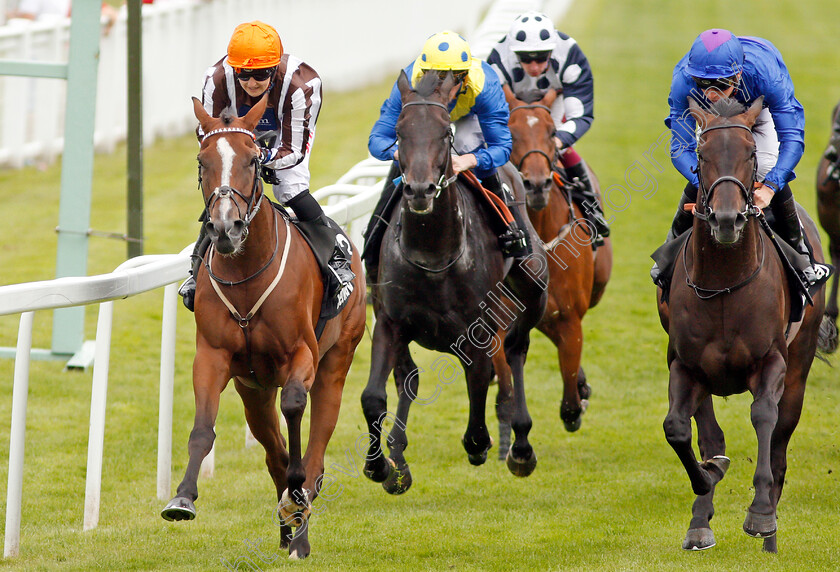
point(714, 54)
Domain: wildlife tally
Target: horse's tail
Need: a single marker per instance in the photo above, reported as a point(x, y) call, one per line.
point(827, 337)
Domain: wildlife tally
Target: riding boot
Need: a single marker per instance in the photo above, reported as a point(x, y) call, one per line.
point(378, 222)
point(513, 239)
point(683, 221)
point(789, 227)
point(331, 248)
point(584, 195)
point(202, 243)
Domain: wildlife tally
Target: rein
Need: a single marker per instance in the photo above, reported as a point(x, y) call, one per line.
point(711, 292)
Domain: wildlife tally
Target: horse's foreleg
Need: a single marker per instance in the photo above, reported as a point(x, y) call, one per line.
point(261, 416)
point(476, 439)
point(374, 397)
point(294, 502)
point(712, 446)
point(504, 398)
point(834, 252)
point(684, 398)
point(767, 389)
point(567, 335)
point(210, 376)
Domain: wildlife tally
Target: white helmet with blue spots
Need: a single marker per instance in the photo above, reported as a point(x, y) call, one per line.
point(532, 32)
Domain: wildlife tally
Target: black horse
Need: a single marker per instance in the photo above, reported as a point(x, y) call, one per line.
point(441, 281)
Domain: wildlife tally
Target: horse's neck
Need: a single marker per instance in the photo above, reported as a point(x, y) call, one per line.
point(438, 233)
point(719, 266)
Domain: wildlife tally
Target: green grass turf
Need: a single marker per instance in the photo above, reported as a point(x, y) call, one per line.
point(612, 496)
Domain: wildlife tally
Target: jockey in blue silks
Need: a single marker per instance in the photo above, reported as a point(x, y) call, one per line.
point(479, 113)
point(720, 64)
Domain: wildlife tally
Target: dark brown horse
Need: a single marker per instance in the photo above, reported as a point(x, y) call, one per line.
point(441, 276)
point(828, 213)
point(258, 299)
point(577, 275)
point(727, 320)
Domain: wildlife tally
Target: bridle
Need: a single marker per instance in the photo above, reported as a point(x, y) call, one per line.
point(750, 210)
point(252, 203)
point(443, 182)
point(551, 162)
point(706, 192)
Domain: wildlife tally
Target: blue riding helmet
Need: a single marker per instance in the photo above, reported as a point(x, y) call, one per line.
point(714, 54)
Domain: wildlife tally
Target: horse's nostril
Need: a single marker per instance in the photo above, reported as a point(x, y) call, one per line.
point(528, 184)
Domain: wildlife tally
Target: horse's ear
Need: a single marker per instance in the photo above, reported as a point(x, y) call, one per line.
point(510, 97)
point(548, 98)
point(403, 84)
point(200, 113)
point(752, 113)
point(698, 113)
point(252, 118)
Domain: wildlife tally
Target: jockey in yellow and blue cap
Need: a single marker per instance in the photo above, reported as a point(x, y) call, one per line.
point(480, 113)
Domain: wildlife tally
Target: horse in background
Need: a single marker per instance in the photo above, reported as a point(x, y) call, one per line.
point(256, 324)
point(440, 277)
point(828, 213)
point(728, 324)
point(578, 274)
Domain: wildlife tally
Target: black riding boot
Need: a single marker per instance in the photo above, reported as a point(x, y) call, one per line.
point(513, 240)
point(378, 222)
point(584, 195)
point(331, 248)
point(789, 228)
point(202, 243)
point(683, 221)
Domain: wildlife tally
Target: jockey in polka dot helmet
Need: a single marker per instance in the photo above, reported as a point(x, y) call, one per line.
point(535, 58)
point(479, 113)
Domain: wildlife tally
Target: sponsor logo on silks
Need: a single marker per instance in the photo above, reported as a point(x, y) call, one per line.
point(344, 293)
point(342, 243)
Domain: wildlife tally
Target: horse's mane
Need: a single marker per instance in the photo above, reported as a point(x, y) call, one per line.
point(728, 107)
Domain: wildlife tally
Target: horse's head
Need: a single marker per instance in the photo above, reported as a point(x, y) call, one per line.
point(726, 163)
point(425, 139)
point(228, 174)
point(534, 151)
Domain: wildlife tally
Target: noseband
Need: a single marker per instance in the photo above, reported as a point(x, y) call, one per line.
point(551, 161)
point(443, 182)
point(706, 192)
point(252, 203)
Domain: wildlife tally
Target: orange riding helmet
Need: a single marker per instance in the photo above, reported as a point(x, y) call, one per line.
point(254, 45)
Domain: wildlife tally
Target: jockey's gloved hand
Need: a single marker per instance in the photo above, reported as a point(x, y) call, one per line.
point(267, 155)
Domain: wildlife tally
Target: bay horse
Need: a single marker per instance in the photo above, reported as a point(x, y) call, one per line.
point(828, 213)
point(255, 323)
point(727, 320)
point(441, 275)
point(577, 274)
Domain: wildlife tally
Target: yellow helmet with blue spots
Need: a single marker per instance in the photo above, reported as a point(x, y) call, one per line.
point(445, 51)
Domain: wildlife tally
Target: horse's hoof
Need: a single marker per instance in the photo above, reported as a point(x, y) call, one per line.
point(572, 426)
point(760, 525)
point(521, 467)
point(379, 469)
point(476, 458)
point(698, 539)
point(718, 465)
point(291, 513)
point(399, 479)
point(179, 508)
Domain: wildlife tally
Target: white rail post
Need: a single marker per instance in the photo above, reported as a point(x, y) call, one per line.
point(20, 394)
point(98, 398)
point(167, 388)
